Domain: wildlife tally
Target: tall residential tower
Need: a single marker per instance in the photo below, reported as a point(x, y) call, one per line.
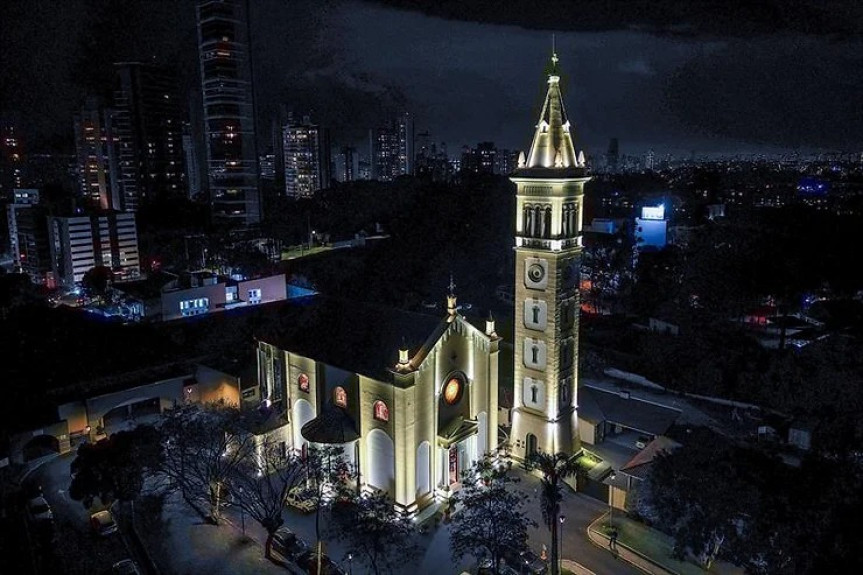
point(549, 194)
point(229, 118)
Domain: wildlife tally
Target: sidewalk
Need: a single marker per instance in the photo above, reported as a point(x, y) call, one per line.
point(650, 550)
point(185, 544)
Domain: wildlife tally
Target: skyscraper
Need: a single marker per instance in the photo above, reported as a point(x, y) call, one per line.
point(95, 144)
point(612, 157)
point(405, 125)
point(393, 148)
point(229, 117)
point(148, 126)
point(12, 159)
point(307, 158)
point(549, 195)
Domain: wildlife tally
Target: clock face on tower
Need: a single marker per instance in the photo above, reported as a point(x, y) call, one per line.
point(535, 273)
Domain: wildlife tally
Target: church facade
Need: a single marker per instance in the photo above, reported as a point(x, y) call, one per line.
point(417, 394)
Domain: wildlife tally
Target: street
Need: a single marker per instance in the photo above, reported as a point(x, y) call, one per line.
point(79, 550)
point(186, 544)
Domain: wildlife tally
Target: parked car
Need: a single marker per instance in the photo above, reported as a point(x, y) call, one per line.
point(527, 562)
point(301, 500)
point(308, 561)
point(288, 545)
point(103, 523)
point(39, 510)
point(126, 567)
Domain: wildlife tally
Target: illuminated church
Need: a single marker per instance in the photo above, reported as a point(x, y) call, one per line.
point(414, 398)
point(411, 398)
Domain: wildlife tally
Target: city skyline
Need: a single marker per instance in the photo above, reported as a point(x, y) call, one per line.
point(708, 92)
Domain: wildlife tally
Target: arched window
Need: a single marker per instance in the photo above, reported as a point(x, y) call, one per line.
point(381, 411)
point(535, 353)
point(340, 397)
point(537, 222)
point(546, 223)
point(527, 221)
point(534, 390)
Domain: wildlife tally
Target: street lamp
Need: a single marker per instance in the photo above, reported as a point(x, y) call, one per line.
point(612, 477)
point(350, 564)
point(562, 518)
point(242, 514)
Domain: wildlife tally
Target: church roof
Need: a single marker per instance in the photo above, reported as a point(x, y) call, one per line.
point(553, 148)
point(358, 337)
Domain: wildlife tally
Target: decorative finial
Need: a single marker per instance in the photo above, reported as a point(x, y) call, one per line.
point(554, 58)
point(451, 306)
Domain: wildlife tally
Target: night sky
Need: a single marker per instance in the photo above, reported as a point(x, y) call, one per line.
point(709, 77)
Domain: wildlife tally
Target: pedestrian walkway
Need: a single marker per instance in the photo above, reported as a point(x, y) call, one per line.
point(648, 549)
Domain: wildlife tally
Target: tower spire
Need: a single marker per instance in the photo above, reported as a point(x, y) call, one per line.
point(553, 145)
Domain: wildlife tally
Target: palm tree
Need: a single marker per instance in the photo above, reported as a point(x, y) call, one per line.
point(554, 469)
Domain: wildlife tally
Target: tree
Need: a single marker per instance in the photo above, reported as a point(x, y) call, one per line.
point(327, 476)
point(114, 468)
point(554, 469)
point(96, 280)
point(705, 493)
point(492, 519)
point(260, 485)
point(202, 450)
point(375, 533)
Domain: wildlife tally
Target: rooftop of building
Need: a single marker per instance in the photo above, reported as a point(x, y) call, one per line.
point(597, 405)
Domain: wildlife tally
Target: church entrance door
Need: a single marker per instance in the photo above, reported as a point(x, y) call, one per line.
point(530, 440)
point(453, 464)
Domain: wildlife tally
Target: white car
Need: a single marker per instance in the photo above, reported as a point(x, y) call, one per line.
point(40, 510)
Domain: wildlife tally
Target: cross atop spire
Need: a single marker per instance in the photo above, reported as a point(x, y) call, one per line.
point(451, 285)
point(554, 58)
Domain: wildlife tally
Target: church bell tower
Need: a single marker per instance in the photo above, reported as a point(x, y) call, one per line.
point(548, 222)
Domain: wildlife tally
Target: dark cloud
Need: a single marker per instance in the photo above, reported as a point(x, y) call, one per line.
point(724, 18)
point(714, 76)
point(789, 91)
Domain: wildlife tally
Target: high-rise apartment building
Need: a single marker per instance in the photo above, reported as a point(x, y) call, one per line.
point(80, 243)
point(347, 164)
point(28, 236)
point(229, 117)
point(479, 160)
point(95, 144)
point(147, 122)
point(612, 157)
point(392, 148)
point(12, 161)
point(405, 124)
point(307, 158)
